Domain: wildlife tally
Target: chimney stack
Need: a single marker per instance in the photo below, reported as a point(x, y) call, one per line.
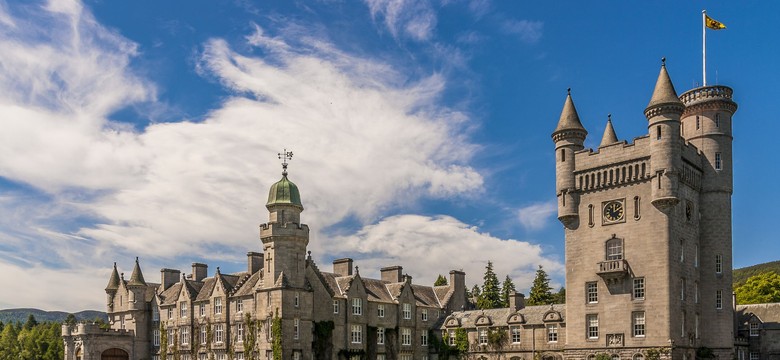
point(342, 267)
point(169, 277)
point(254, 262)
point(392, 274)
point(199, 271)
point(516, 301)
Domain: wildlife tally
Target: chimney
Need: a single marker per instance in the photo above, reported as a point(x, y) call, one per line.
point(254, 262)
point(458, 285)
point(392, 274)
point(169, 277)
point(516, 301)
point(199, 271)
point(342, 267)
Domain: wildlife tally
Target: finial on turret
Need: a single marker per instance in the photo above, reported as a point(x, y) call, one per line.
point(663, 61)
point(568, 91)
point(284, 156)
point(609, 117)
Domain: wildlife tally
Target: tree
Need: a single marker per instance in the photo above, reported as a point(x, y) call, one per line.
point(761, 288)
point(70, 320)
point(30, 323)
point(560, 297)
point(440, 281)
point(540, 290)
point(507, 289)
point(475, 292)
point(490, 298)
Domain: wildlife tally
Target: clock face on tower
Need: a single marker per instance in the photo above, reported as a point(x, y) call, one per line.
point(614, 211)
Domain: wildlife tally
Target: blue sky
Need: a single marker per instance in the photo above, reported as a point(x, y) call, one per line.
point(421, 129)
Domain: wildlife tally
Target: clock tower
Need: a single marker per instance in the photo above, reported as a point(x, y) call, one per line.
point(648, 228)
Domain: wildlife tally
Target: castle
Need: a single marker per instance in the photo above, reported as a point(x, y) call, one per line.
point(648, 271)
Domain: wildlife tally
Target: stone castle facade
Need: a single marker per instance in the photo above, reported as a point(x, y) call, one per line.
point(648, 271)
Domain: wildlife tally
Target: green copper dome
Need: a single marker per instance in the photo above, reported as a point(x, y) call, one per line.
point(284, 192)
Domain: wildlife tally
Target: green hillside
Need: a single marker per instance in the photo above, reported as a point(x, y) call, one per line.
point(741, 275)
point(20, 315)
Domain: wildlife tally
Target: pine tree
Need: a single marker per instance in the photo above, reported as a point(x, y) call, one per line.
point(507, 290)
point(474, 293)
point(31, 322)
point(440, 281)
point(541, 293)
point(490, 296)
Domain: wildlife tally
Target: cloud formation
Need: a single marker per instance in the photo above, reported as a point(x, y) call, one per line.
point(526, 30)
point(415, 19)
point(535, 216)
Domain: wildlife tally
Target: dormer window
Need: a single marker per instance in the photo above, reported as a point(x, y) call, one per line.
point(754, 326)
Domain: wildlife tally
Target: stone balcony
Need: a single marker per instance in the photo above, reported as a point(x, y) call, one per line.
point(612, 270)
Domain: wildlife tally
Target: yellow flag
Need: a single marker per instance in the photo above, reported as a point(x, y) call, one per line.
point(713, 24)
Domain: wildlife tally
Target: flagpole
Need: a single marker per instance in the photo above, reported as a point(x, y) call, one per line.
point(704, 47)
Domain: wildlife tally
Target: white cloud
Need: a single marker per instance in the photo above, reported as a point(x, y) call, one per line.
point(412, 18)
point(528, 31)
point(535, 216)
point(427, 246)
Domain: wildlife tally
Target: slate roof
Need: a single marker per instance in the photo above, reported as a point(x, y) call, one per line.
point(769, 314)
point(247, 286)
point(498, 317)
point(380, 291)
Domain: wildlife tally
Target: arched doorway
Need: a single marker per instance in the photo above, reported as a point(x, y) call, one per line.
point(114, 354)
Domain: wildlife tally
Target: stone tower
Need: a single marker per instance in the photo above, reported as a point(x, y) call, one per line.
point(287, 293)
point(648, 228)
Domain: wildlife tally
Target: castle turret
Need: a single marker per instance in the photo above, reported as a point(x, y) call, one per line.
point(609, 137)
point(663, 117)
point(136, 288)
point(111, 288)
point(569, 137)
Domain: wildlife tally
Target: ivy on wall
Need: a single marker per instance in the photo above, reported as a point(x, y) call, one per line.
point(276, 333)
point(322, 344)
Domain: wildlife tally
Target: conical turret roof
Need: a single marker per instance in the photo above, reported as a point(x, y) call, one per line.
point(113, 282)
point(609, 134)
point(664, 89)
point(137, 278)
point(569, 120)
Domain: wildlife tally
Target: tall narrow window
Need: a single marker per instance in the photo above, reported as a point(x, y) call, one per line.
point(240, 331)
point(380, 310)
point(592, 322)
point(717, 161)
point(514, 331)
point(682, 250)
point(754, 329)
point(335, 306)
point(297, 299)
point(380, 336)
point(357, 334)
point(696, 292)
point(638, 319)
point(296, 328)
point(357, 306)
point(637, 213)
point(592, 292)
point(217, 305)
point(698, 123)
point(590, 215)
point(696, 256)
point(552, 333)
point(682, 288)
point(717, 120)
point(406, 336)
point(719, 264)
point(407, 311)
point(639, 288)
point(614, 249)
point(658, 132)
point(696, 325)
point(719, 299)
point(563, 155)
point(239, 305)
point(682, 324)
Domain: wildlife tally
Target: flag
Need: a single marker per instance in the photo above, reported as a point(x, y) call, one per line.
point(713, 24)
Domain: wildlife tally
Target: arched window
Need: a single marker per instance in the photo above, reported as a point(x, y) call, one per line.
point(590, 215)
point(637, 214)
point(639, 357)
point(615, 249)
point(114, 354)
point(717, 120)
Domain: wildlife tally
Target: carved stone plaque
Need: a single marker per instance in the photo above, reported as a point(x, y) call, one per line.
point(614, 340)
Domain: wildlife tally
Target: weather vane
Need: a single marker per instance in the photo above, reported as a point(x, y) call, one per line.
point(284, 156)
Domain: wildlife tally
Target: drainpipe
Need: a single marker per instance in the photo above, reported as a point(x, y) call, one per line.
point(533, 342)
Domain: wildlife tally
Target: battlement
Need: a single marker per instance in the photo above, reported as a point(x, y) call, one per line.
point(82, 329)
point(707, 93)
point(618, 174)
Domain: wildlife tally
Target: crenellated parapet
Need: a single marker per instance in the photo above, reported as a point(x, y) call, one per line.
point(709, 98)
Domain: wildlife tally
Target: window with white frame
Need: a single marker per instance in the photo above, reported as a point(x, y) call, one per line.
point(424, 314)
point(380, 357)
point(155, 314)
point(171, 337)
point(239, 356)
point(405, 357)
point(202, 310)
point(406, 336)
point(184, 356)
point(754, 329)
point(407, 311)
point(335, 306)
point(239, 305)
point(719, 299)
point(203, 334)
point(296, 328)
point(217, 305)
point(639, 357)
point(380, 336)
point(297, 299)
point(380, 310)
point(592, 292)
point(482, 336)
point(156, 337)
point(718, 161)
point(221, 356)
point(240, 332)
point(185, 335)
point(718, 264)
point(638, 320)
point(219, 334)
point(170, 313)
point(296, 355)
point(614, 249)
point(202, 356)
point(514, 332)
point(451, 338)
point(357, 306)
point(552, 333)
point(357, 334)
point(755, 356)
point(639, 288)
point(424, 338)
point(592, 323)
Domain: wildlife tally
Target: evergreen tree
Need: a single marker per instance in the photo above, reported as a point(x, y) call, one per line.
point(70, 320)
point(440, 281)
point(490, 297)
point(560, 297)
point(30, 323)
point(474, 292)
point(507, 289)
point(541, 293)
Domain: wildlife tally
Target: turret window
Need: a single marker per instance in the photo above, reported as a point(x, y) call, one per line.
point(719, 299)
point(718, 264)
point(590, 215)
point(658, 132)
point(637, 214)
point(698, 123)
point(717, 120)
point(717, 161)
point(563, 155)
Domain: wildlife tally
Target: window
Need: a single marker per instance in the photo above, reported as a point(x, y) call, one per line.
point(717, 120)
point(696, 325)
point(451, 338)
point(202, 310)
point(407, 311)
point(563, 155)
point(239, 305)
point(335, 306)
point(380, 336)
point(637, 213)
point(380, 310)
point(696, 256)
point(380, 357)
point(240, 332)
point(592, 322)
point(296, 328)
point(741, 354)
point(170, 313)
point(719, 299)
point(682, 324)
point(219, 335)
point(638, 320)
point(552, 333)
point(718, 264)
point(296, 355)
point(424, 315)
point(406, 336)
point(424, 338)
point(590, 215)
point(592, 292)
point(658, 132)
point(754, 356)
point(682, 288)
point(696, 292)
point(483, 336)
point(614, 249)
point(682, 250)
point(221, 356)
point(239, 356)
point(268, 298)
point(717, 161)
point(514, 333)
point(297, 300)
point(754, 329)
point(156, 337)
point(405, 357)
point(171, 337)
point(155, 314)
point(357, 334)
point(203, 333)
point(185, 335)
point(357, 307)
point(639, 288)
point(217, 305)
point(698, 123)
